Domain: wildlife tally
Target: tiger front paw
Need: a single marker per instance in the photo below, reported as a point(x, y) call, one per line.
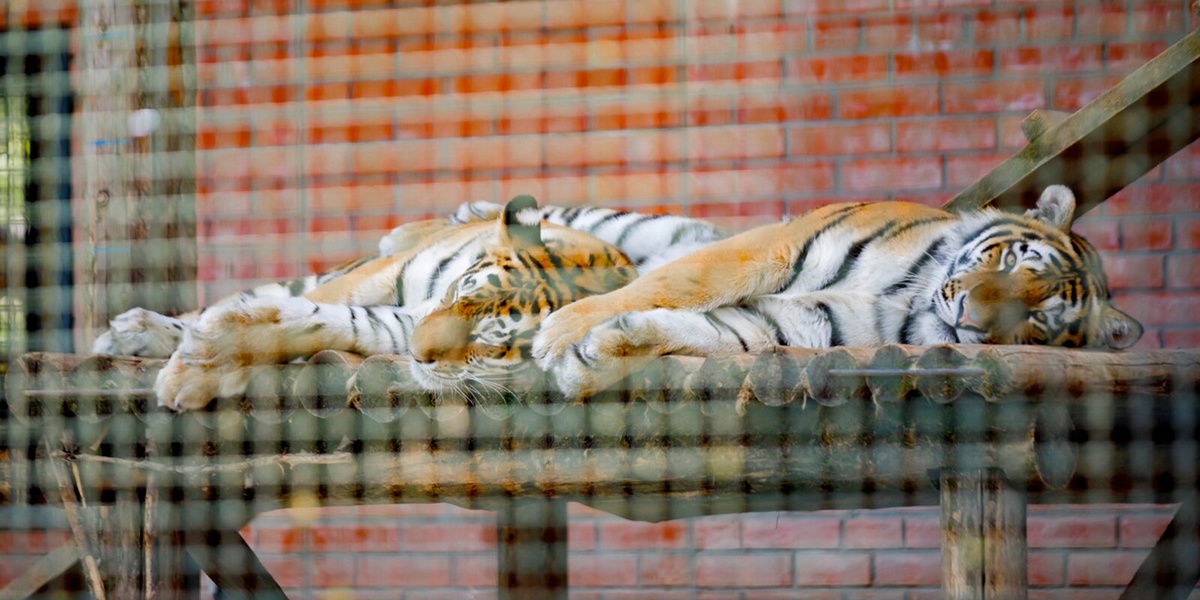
point(140, 332)
point(605, 354)
point(216, 355)
point(181, 386)
point(564, 328)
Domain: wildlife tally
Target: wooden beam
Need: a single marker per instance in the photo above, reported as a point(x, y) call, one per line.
point(1041, 120)
point(1172, 569)
point(983, 537)
point(50, 567)
point(532, 549)
point(1106, 145)
point(230, 562)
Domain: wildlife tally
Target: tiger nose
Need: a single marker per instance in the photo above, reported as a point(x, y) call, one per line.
point(1006, 313)
point(439, 337)
point(966, 316)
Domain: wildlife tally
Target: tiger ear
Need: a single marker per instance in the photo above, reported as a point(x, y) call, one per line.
point(521, 225)
point(1118, 329)
point(1055, 207)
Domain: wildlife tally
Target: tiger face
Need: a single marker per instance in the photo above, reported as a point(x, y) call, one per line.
point(479, 338)
point(1030, 280)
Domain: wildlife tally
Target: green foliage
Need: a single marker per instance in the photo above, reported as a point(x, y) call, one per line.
point(14, 173)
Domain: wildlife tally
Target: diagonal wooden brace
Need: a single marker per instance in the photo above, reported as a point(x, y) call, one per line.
point(1107, 144)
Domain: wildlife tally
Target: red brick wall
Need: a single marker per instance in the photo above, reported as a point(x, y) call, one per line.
point(437, 551)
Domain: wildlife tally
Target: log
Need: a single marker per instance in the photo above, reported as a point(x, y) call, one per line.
point(269, 395)
point(321, 383)
point(383, 388)
point(379, 388)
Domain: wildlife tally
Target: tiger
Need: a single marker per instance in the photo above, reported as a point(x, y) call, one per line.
point(461, 296)
point(863, 274)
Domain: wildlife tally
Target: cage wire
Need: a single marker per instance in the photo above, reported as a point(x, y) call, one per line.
point(167, 153)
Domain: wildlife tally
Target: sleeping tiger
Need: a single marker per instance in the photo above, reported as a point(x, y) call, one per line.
point(463, 296)
point(853, 275)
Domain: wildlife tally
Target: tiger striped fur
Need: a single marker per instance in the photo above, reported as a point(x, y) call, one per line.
point(463, 296)
point(853, 275)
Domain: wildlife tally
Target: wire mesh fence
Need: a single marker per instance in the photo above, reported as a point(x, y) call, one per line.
point(166, 154)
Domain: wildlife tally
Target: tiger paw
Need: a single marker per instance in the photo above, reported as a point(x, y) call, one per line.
point(606, 354)
point(140, 332)
point(216, 354)
point(565, 328)
point(183, 386)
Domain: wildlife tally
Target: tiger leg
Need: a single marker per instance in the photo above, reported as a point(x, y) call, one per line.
point(220, 348)
point(626, 342)
point(145, 333)
point(141, 332)
point(724, 273)
point(355, 311)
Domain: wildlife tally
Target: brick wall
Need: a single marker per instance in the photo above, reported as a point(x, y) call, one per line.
point(436, 551)
point(324, 123)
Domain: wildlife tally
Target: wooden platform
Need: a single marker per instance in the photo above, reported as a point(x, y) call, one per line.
point(979, 430)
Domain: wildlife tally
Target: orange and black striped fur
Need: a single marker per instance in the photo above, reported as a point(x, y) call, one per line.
point(462, 296)
point(853, 275)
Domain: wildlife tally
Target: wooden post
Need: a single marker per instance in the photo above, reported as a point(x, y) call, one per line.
point(138, 178)
point(983, 537)
point(533, 549)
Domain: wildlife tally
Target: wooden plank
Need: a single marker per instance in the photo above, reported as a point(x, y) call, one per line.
point(50, 567)
point(983, 537)
point(230, 562)
point(82, 529)
point(1172, 569)
point(532, 535)
point(1041, 120)
point(1106, 145)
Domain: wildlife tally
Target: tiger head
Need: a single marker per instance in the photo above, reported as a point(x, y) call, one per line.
point(479, 338)
point(1031, 280)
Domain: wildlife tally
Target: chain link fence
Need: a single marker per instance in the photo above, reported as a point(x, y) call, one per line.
point(167, 153)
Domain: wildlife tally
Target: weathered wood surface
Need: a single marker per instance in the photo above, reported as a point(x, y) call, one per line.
point(1107, 144)
point(789, 429)
point(50, 567)
point(983, 537)
point(1041, 120)
point(532, 546)
point(382, 388)
point(137, 142)
point(1172, 569)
